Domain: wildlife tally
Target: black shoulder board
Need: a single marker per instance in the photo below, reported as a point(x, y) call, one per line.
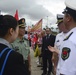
point(68, 36)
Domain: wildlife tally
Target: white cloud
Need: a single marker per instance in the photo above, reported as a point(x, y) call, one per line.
point(25, 7)
point(54, 6)
point(33, 10)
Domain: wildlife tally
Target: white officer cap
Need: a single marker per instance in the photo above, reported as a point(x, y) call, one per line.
point(70, 7)
point(59, 18)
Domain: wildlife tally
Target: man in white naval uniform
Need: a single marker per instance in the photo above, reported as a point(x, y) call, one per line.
point(59, 39)
point(68, 48)
point(67, 54)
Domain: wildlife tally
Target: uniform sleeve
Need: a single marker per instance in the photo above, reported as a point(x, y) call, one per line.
point(28, 47)
point(68, 57)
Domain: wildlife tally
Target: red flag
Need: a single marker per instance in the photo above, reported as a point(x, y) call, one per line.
point(37, 27)
point(16, 15)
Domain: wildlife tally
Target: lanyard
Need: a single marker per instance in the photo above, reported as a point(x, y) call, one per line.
point(4, 63)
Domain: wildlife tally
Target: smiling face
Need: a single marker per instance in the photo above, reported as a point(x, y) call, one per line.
point(21, 31)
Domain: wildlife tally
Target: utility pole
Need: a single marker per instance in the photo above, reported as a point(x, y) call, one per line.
point(47, 21)
point(0, 12)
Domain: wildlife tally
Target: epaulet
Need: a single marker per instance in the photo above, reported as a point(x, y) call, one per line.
point(68, 36)
point(26, 39)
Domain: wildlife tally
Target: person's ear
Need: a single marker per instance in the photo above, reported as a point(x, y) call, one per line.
point(68, 17)
point(11, 30)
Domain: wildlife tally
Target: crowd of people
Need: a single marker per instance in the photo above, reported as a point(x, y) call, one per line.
point(57, 52)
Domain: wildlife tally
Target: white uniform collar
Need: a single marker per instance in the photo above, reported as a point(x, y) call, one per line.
point(62, 34)
point(72, 38)
point(5, 42)
point(72, 30)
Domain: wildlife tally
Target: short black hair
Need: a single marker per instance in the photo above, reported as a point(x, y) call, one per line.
point(7, 22)
point(48, 29)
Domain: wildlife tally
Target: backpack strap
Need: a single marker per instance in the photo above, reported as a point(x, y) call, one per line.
point(4, 63)
point(3, 51)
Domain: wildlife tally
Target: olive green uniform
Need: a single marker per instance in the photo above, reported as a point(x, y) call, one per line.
point(22, 46)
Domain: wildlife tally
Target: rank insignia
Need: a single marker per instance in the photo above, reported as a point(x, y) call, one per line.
point(65, 53)
point(16, 48)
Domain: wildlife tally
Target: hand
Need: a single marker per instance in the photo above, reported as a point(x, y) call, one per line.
point(52, 49)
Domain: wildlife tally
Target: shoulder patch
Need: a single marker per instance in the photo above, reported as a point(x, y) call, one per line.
point(65, 53)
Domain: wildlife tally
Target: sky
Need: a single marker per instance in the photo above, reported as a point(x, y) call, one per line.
point(34, 10)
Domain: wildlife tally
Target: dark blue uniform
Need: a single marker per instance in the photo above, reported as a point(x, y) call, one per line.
point(14, 64)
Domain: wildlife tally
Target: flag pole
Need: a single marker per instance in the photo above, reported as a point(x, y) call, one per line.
point(0, 12)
